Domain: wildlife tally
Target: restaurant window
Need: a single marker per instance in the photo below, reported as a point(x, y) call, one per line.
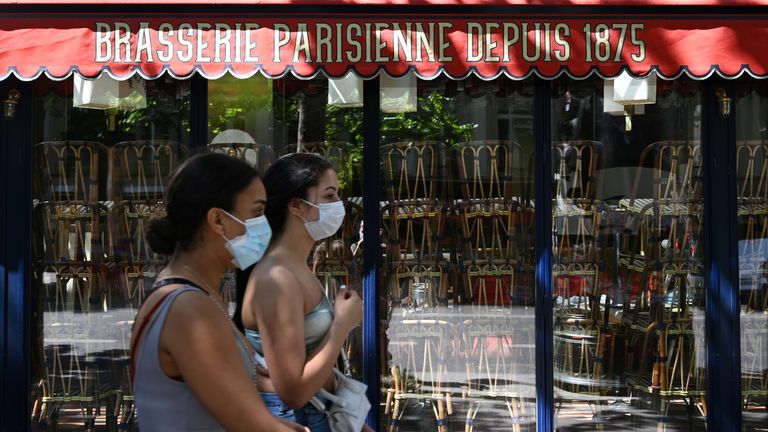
point(103, 151)
point(456, 281)
point(628, 266)
point(751, 108)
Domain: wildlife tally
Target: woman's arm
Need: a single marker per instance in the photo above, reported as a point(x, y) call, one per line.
point(279, 310)
point(202, 345)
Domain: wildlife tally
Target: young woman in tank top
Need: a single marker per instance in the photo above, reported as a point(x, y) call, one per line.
point(192, 370)
point(283, 308)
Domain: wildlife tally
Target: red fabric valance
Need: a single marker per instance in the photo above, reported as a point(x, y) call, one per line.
point(457, 46)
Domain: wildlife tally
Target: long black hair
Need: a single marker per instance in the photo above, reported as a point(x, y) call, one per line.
point(200, 183)
point(287, 178)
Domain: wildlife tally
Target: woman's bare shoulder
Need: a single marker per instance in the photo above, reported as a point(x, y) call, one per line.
point(274, 275)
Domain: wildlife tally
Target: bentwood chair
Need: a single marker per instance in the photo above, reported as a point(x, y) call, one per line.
point(498, 353)
point(72, 232)
point(489, 251)
point(71, 170)
point(141, 169)
point(128, 222)
point(413, 170)
point(413, 217)
point(577, 216)
point(69, 379)
point(414, 256)
point(490, 169)
point(493, 214)
point(423, 352)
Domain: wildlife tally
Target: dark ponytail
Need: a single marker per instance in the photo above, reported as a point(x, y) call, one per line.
point(200, 183)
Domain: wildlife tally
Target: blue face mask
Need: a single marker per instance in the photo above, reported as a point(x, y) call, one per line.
point(247, 249)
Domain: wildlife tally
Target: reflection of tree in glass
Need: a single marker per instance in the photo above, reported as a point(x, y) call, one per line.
point(434, 120)
point(231, 100)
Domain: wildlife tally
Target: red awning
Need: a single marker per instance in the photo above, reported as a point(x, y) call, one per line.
point(465, 3)
point(488, 46)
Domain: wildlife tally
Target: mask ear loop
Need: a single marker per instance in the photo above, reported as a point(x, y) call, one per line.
point(235, 218)
point(312, 205)
point(232, 216)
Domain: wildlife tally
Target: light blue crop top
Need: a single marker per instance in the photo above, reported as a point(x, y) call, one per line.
point(316, 325)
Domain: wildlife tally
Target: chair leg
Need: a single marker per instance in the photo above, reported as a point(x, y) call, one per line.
point(440, 415)
point(514, 413)
point(393, 422)
point(469, 422)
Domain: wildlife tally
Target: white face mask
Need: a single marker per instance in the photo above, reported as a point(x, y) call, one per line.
point(248, 248)
point(330, 220)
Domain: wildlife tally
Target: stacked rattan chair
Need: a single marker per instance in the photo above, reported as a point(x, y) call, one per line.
point(752, 183)
point(493, 217)
point(583, 329)
point(413, 218)
point(71, 250)
point(140, 170)
point(414, 268)
point(664, 313)
point(492, 214)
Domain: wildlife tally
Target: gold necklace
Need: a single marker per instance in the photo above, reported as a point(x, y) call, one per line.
point(248, 348)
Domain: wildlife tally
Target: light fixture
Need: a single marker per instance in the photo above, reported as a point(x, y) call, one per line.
point(346, 92)
point(398, 94)
point(105, 92)
point(9, 105)
point(626, 95)
point(628, 90)
point(724, 102)
point(609, 105)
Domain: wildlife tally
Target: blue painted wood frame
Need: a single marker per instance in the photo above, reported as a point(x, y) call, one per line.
point(4, 127)
point(721, 246)
point(543, 248)
point(198, 112)
point(371, 249)
point(15, 223)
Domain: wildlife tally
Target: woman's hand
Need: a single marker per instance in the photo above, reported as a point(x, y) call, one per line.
point(347, 309)
point(367, 428)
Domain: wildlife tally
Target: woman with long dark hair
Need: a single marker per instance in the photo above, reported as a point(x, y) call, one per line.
point(285, 312)
point(193, 370)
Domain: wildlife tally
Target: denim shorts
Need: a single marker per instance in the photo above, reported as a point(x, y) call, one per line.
point(308, 415)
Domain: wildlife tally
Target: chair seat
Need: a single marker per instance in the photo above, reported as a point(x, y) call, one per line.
point(562, 208)
point(644, 384)
point(634, 262)
point(666, 207)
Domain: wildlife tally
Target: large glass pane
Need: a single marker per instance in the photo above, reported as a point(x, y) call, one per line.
point(260, 119)
point(100, 166)
point(456, 280)
point(628, 269)
point(751, 110)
